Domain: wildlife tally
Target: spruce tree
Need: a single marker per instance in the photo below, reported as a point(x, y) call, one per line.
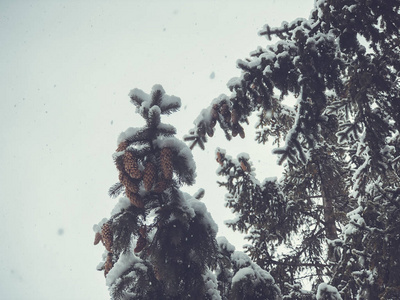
point(160, 243)
point(336, 209)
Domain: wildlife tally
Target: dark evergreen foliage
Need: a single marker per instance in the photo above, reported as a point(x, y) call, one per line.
point(240, 278)
point(336, 209)
point(160, 242)
point(163, 242)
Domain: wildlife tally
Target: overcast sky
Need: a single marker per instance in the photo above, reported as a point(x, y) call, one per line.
point(66, 68)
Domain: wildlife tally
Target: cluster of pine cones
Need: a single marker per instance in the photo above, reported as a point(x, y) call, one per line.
point(106, 237)
point(228, 116)
point(131, 176)
point(244, 164)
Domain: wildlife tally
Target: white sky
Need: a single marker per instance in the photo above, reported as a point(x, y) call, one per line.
point(66, 68)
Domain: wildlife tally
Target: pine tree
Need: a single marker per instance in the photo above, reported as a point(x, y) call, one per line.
point(160, 243)
point(336, 209)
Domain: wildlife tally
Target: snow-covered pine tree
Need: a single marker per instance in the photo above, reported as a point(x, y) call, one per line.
point(160, 243)
point(340, 189)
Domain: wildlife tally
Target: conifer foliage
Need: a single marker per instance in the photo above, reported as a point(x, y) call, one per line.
point(336, 210)
point(160, 243)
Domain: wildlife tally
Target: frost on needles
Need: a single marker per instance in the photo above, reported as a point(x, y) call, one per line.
point(160, 243)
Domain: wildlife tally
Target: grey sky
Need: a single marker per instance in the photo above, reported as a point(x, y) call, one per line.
point(66, 68)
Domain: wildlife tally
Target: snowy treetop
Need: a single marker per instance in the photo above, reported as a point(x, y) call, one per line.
point(157, 97)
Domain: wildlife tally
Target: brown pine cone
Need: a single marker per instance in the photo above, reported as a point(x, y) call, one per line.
point(143, 230)
point(220, 158)
point(234, 116)
point(166, 162)
point(108, 265)
point(122, 146)
point(128, 182)
point(149, 176)
point(161, 186)
point(225, 112)
point(238, 129)
point(210, 131)
point(243, 166)
point(235, 129)
point(241, 131)
point(97, 238)
point(107, 236)
point(140, 244)
point(213, 123)
point(156, 272)
point(135, 199)
point(214, 113)
point(131, 165)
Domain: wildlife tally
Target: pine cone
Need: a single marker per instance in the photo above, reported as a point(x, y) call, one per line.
point(128, 182)
point(131, 165)
point(97, 238)
point(149, 176)
point(243, 165)
point(210, 131)
point(234, 131)
point(143, 230)
point(214, 113)
point(122, 146)
point(225, 112)
point(108, 265)
point(107, 236)
point(135, 199)
point(140, 244)
point(161, 186)
point(241, 131)
point(166, 163)
point(234, 116)
point(213, 123)
point(220, 158)
point(238, 129)
point(156, 272)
